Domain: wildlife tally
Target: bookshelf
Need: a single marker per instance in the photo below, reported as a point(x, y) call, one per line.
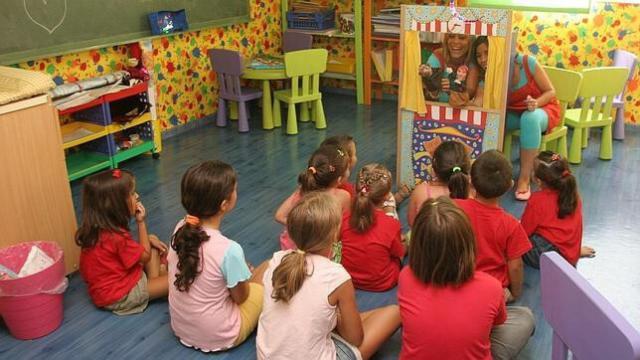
point(335, 33)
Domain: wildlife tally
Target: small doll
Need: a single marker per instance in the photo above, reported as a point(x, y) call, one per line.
point(458, 81)
point(135, 68)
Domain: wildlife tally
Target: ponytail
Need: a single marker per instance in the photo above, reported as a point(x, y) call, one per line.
point(186, 243)
point(288, 276)
point(373, 187)
point(326, 165)
point(554, 172)
point(452, 165)
point(313, 224)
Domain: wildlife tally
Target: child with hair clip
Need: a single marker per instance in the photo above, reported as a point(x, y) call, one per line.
point(448, 308)
point(326, 170)
point(111, 262)
point(372, 249)
point(310, 309)
point(451, 164)
point(214, 299)
point(347, 143)
point(553, 216)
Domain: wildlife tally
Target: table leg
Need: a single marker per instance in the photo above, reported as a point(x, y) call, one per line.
point(267, 115)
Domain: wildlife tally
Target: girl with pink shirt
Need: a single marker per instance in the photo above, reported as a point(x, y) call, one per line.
point(305, 292)
point(215, 298)
point(328, 166)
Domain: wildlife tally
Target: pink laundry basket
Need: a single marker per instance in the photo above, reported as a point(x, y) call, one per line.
point(31, 306)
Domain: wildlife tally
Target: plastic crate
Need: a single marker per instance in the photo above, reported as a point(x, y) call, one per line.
point(312, 21)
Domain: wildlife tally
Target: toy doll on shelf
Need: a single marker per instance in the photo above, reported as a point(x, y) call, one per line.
point(137, 71)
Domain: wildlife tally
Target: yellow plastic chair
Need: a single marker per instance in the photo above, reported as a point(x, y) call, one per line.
point(304, 68)
point(567, 84)
point(602, 85)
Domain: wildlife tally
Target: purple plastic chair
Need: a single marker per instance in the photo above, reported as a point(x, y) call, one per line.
point(628, 60)
point(583, 321)
point(228, 65)
point(294, 41)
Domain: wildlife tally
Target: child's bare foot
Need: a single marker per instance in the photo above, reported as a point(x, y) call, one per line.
point(587, 251)
point(402, 193)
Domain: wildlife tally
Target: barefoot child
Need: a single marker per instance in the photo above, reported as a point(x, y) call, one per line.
point(553, 216)
point(111, 262)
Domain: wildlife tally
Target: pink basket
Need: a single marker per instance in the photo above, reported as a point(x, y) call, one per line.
point(31, 306)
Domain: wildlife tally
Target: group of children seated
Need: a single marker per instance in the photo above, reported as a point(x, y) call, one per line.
point(464, 268)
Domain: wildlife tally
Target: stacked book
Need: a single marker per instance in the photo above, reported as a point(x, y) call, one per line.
point(308, 7)
point(387, 22)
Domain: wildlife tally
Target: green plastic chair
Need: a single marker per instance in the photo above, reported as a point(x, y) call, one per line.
point(602, 85)
point(566, 84)
point(304, 68)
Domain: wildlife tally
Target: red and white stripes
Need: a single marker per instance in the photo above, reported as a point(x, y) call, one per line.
point(447, 113)
point(456, 26)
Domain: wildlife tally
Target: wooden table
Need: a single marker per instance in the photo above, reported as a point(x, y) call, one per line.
point(266, 75)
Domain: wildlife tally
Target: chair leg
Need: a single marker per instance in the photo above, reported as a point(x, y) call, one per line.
point(618, 130)
point(277, 119)
point(233, 110)
point(562, 146)
point(585, 137)
point(221, 121)
point(304, 112)
point(545, 145)
point(606, 143)
point(243, 117)
point(506, 147)
point(321, 122)
point(575, 151)
point(292, 123)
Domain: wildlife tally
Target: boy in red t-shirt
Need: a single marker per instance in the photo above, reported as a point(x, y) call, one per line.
point(501, 240)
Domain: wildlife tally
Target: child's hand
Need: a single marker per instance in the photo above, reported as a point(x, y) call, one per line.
point(425, 70)
point(532, 103)
point(157, 244)
point(141, 213)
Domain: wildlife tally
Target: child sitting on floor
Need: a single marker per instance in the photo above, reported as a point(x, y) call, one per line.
point(371, 242)
point(500, 239)
point(448, 309)
point(111, 262)
point(327, 167)
point(553, 216)
point(214, 299)
point(451, 165)
point(347, 143)
point(310, 309)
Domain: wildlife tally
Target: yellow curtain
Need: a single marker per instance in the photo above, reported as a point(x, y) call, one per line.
point(494, 77)
point(411, 96)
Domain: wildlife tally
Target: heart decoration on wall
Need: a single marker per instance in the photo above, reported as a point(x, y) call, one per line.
point(45, 10)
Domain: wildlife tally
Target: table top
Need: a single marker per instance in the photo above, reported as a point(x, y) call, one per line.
point(264, 74)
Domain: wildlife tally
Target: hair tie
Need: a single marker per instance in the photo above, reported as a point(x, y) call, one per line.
point(555, 157)
point(566, 173)
point(116, 173)
point(456, 169)
point(301, 252)
point(312, 170)
point(192, 220)
point(332, 168)
point(364, 190)
point(435, 203)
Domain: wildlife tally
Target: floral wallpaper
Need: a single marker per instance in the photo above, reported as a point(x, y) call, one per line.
point(584, 40)
point(186, 85)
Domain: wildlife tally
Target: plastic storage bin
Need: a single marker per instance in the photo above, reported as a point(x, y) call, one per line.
point(312, 21)
point(31, 306)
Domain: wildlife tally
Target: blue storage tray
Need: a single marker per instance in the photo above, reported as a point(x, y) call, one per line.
point(312, 21)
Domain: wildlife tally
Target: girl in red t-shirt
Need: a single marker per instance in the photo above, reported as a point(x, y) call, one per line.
point(449, 310)
point(371, 242)
point(111, 262)
point(553, 216)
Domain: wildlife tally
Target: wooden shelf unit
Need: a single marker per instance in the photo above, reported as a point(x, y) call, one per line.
point(95, 131)
point(357, 36)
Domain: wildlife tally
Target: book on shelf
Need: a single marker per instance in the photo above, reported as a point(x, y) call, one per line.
point(386, 23)
point(388, 65)
point(309, 7)
point(383, 63)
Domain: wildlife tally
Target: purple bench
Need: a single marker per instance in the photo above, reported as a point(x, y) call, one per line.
point(583, 321)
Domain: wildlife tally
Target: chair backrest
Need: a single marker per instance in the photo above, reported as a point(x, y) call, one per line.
point(626, 59)
point(228, 65)
point(583, 321)
point(602, 85)
point(567, 84)
point(304, 68)
point(294, 41)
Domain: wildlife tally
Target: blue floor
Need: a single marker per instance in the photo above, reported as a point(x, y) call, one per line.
point(267, 163)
